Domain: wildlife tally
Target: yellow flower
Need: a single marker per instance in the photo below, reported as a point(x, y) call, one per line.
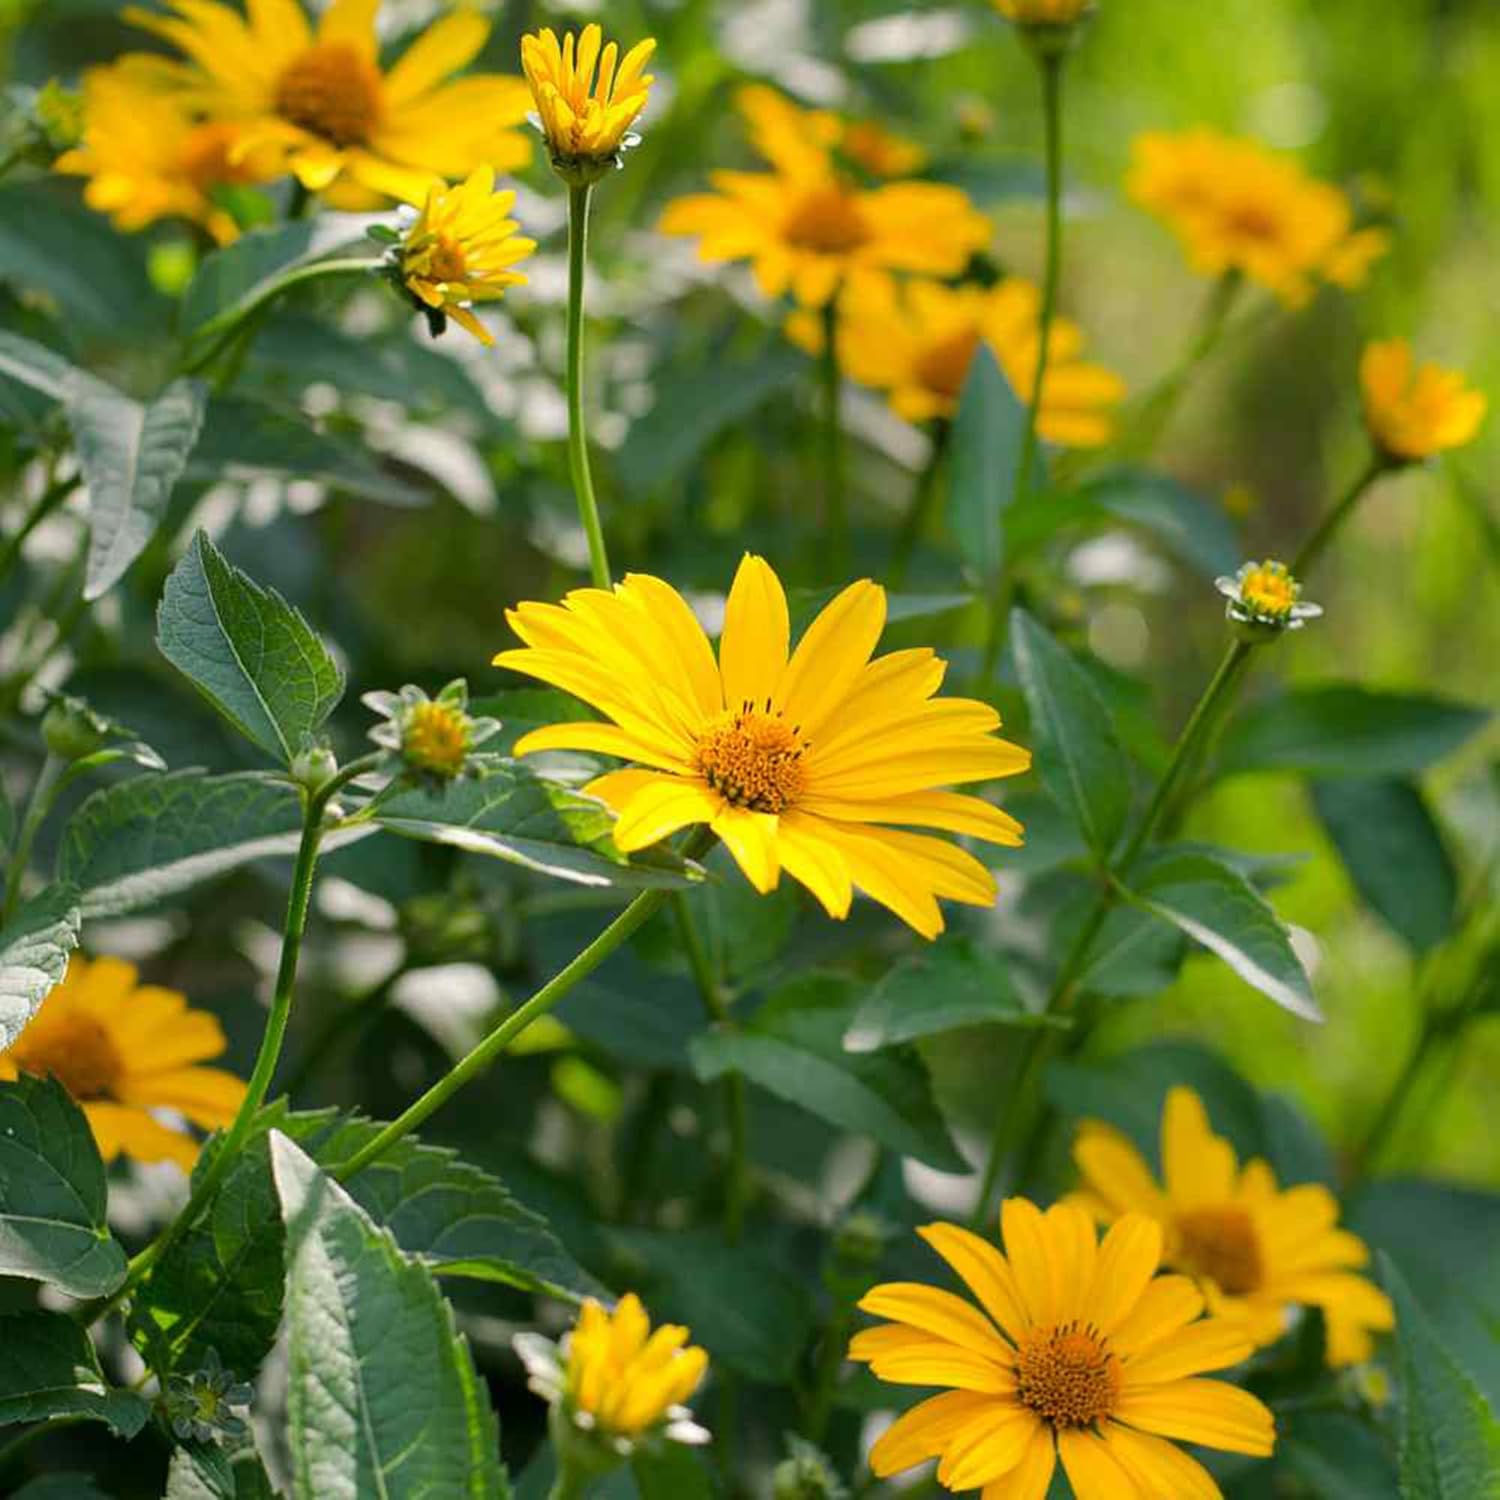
point(1081, 1351)
point(1256, 1251)
point(1265, 599)
point(817, 763)
point(461, 249)
point(330, 112)
point(919, 343)
point(790, 137)
point(881, 152)
point(1236, 206)
point(585, 119)
point(1414, 411)
point(1044, 12)
point(806, 229)
point(123, 1050)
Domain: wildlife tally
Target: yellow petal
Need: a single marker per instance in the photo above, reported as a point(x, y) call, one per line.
point(751, 838)
point(1199, 1166)
point(984, 1271)
point(1093, 1471)
point(1128, 1259)
point(757, 630)
point(831, 655)
point(1201, 1411)
point(445, 47)
point(663, 807)
point(936, 1312)
point(924, 1431)
point(1159, 1467)
point(1032, 1476)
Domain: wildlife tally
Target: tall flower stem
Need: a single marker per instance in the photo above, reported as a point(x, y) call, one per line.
point(43, 793)
point(578, 442)
point(919, 512)
point(835, 513)
point(50, 499)
point(1317, 544)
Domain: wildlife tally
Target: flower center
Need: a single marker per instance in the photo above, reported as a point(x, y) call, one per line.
point(944, 367)
point(753, 759)
point(827, 219)
point(1221, 1244)
point(78, 1053)
point(1252, 221)
point(204, 158)
point(436, 738)
point(333, 92)
point(1068, 1375)
point(1270, 590)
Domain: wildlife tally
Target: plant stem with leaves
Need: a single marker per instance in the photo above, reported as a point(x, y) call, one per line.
point(578, 442)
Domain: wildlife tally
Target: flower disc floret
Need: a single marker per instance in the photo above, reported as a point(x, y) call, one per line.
point(1265, 599)
point(434, 737)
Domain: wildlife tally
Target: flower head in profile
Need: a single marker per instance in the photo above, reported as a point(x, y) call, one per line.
point(1236, 206)
point(587, 97)
point(462, 248)
point(806, 228)
point(1256, 1251)
point(819, 762)
point(122, 1050)
point(321, 103)
point(434, 737)
point(1045, 12)
point(1414, 411)
point(1264, 599)
point(1077, 1350)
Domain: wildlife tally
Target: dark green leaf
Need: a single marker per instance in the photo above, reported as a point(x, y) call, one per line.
point(206, 1471)
point(33, 364)
point(671, 1471)
point(987, 435)
point(61, 1486)
point(1135, 954)
point(34, 949)
point(247, 651)
point(1336, 1455)
point(1199, 533)
point(50, 1369)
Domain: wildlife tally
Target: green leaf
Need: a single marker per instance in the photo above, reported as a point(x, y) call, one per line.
point(1449, 1438)
point(61, 1486)
point(382, 1398)
point(33, 364)
point(1343, 730)
point(1078, 753)
point(1336, 1455)
point(519, 816)
point(1394, 854)
point(52, 1193)
point(1218, 908)
point(206, 1471)
point(951, 984)
point(130, 456)
point(987, 436)
point(793, 1047)
point(34, 949)
point(1199, 533)
point(671, 1471)
point(50, 1369)
point(247, 651)
point(1134, 954)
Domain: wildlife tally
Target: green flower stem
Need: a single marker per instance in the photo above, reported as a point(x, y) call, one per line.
point(570, 1484)
point(44, 792)
point(53, 496)
point(831, 1355)
point(578, 442)
point(919, 513)
point(1317, 544)
point(835, 512)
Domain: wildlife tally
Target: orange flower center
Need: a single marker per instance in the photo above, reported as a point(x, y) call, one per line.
point(205, 160)
point(828, 220)
point(1253, 221)
point(436, 738)
point(448, 261)
point(1068, 1375)
point(1220, 1244)
point(78, 1052)
point(943, 367)
point(332, 91)
point(753, 759)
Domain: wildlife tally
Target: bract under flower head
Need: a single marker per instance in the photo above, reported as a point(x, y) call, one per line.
point(1264, 600)
point(1415, 411)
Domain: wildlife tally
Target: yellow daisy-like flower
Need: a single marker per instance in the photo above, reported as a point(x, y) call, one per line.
point(1257, 1251)
point(587, 98)
point(806, 229)
point(321, 100)
point(462, 248)
point(1044, 12)
point(1414, 411)
point(919, 342)
point(791, 137)
point(123, 1050)
point(1236, 206)
point(1081, 1351)
point(818, 762)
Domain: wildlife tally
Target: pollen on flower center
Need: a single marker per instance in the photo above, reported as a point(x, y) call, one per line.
point(332, 91)
point(80, 1055)
point(1270, 590)
point(829, 220)
point(1221, 1244)
point(445, 259)
point(1068, 1375)
point(944, 367)
point(436, 738)
point(753, 759)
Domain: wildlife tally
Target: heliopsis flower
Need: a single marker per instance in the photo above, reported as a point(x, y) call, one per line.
point(791, 137)
point(587, 99)
point(1414, 411)
point(461, 249)
point(1078, 1350)
point(807, 229)
point(818, 762)
point(323, 103)
point(1265, 599)
point(919, 344)
point(1236, 206)
point(1256, 1251)
point(123, 1050)
point(435, 737)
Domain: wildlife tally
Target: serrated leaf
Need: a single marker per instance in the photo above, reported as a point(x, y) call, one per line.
point(247, 651)
point(986, 446)
point(33, 364)
point(382, 1395)
point(34, 949)
point(52, 1193)
point(50, 1370)
point(130, 454)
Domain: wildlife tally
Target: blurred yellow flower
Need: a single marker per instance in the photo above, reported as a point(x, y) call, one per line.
point(1237, 206)
point(462, 248)
point(881, 152)
point(918, 343)
point(322, 101)
point(123, 1050)
point(817, 762)
point(790, 137)
point(1414, 411)
point(1256, 1251)
point(1078, 1350)
point(585, 118)
point(1044, 12)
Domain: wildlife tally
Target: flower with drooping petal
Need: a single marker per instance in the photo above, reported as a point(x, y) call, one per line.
point(1264, 599)
point(820, 762)
point(1414, 411)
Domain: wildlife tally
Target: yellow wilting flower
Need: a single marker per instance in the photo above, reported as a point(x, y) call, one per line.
point(817, 762)
point(1257, 1251)
point(1081, 1351)
point(806, 229)
point(322, 102)
point(122, 1050)
point(1236, 206)
point(1414, 411)
point(919, 342)
point(586, 118)
point(461, 249)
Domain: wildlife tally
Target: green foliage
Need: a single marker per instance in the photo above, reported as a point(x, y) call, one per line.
point(34, 949)
point(986, 448)
point(1195, 531)
point(205, 1471)
point(50, 1369)
point(33, 364)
